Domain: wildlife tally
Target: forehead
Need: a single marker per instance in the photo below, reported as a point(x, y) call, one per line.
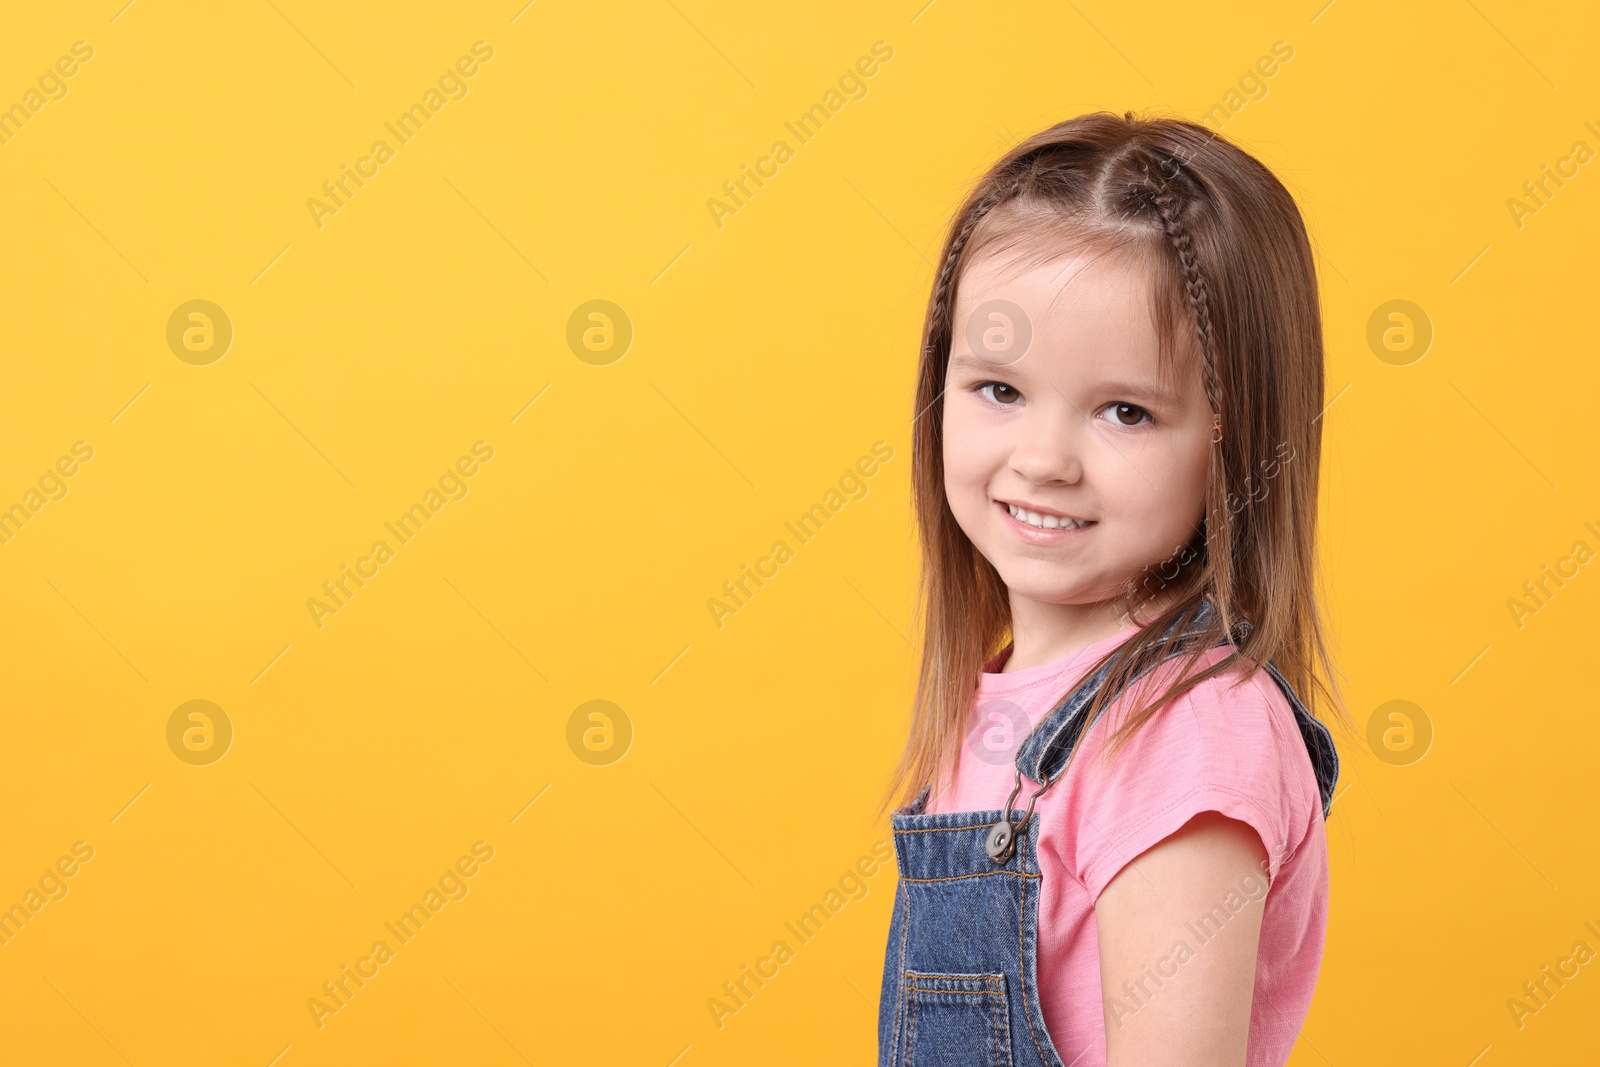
point(1075, 292)
point(1090, 308)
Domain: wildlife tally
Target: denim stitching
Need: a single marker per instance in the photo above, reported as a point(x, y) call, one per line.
point(1022, 971)
point(998, 1009)
point(900, 1001)
point(980, 874)
point(911, 1023)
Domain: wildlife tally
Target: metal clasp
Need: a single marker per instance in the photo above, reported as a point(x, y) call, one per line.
point(1002, 839)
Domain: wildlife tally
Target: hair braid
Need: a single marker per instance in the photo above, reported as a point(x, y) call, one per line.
point(1168, 209)
point(944, 284)
point(1219, 535)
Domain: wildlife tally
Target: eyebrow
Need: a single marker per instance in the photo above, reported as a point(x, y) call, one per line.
point(1150, 391)
point(963, 361)
point(1142, 391)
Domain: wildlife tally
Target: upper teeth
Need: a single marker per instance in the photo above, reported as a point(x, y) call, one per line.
point(1045, 522)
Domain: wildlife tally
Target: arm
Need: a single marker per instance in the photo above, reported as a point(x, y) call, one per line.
point(1177, 966)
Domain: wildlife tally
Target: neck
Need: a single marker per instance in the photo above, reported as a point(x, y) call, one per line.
point(1042, 632)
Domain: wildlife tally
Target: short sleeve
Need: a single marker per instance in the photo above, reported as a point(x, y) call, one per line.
point(1225, 746)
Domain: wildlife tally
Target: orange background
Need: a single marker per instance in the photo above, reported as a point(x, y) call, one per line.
point(768, 354)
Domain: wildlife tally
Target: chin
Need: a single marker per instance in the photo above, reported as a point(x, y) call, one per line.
point(1046, 590)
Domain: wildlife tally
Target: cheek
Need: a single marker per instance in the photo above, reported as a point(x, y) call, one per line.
point(959, 475)
point(1169, 494)
point(967, 463)
point(1185, 499)
point(1193, 487)
point(958, 442)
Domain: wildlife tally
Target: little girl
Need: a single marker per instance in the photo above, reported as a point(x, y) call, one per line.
point(1112, 845)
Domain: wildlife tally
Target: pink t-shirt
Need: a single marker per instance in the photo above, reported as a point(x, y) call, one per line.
point(1224, 747)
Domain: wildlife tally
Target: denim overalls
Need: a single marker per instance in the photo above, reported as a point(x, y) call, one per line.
point(960, 979)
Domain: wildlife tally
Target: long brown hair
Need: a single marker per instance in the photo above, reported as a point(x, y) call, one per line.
point(1232, 269)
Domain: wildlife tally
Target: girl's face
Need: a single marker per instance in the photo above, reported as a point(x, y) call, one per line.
point(1054, 406)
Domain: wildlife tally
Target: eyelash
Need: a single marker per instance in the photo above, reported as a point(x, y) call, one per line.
point(982, 390)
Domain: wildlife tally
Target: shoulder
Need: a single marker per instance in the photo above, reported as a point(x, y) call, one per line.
point(1229, 744)
point(1238, 717)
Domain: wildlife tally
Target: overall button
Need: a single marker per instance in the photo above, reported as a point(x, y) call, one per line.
point(998, 843)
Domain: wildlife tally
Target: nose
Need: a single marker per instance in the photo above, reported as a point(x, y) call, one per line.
point(1048, 448)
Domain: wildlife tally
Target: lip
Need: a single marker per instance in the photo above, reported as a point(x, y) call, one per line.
point(1033, 535)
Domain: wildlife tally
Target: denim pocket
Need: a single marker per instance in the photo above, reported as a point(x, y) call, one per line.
point(956, 1020)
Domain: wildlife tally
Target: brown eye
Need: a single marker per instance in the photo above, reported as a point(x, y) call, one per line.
point(999, 392)
point(1120, 413)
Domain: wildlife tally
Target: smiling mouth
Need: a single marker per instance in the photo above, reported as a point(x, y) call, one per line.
point(1040, 521)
